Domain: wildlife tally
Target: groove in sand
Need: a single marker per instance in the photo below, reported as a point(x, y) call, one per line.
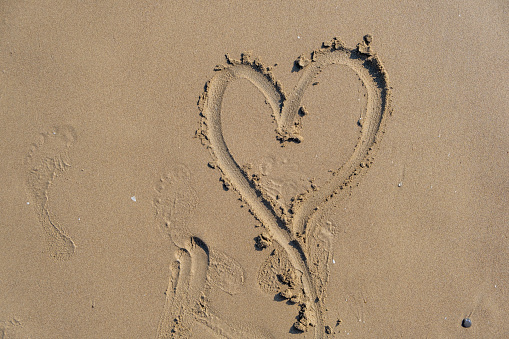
point(290, 229)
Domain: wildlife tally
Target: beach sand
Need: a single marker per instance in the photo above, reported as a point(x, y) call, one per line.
point(254, 170)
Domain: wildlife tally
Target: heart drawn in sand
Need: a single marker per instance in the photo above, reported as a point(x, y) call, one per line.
point(289, 227)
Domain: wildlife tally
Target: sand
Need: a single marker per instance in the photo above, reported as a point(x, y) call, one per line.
point(254, 170)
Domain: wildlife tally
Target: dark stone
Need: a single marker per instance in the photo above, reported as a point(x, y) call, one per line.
point(466, 323)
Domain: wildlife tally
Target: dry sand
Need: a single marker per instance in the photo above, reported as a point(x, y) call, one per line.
point(317, 182)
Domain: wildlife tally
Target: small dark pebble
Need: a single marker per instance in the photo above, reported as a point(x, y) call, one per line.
point(466, 323)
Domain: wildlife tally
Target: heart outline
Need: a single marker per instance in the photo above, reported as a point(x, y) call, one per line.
point(290, 230)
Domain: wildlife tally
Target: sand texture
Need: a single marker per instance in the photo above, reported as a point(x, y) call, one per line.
point(254, 169)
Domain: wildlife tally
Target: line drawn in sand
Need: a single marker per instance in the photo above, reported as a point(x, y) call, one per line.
point(196, 269)
point(45, 161)
point(294, 228)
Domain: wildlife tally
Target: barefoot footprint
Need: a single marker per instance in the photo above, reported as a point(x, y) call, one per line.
point(13, 329)
point(293, 227)
point(197, 268)
point(45, 161)
point(192, 276)
point(174, 203)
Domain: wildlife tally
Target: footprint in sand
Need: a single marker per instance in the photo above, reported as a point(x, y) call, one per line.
point(46, 160)
point(197, 268)
point(174, 202)
point(12, 329)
